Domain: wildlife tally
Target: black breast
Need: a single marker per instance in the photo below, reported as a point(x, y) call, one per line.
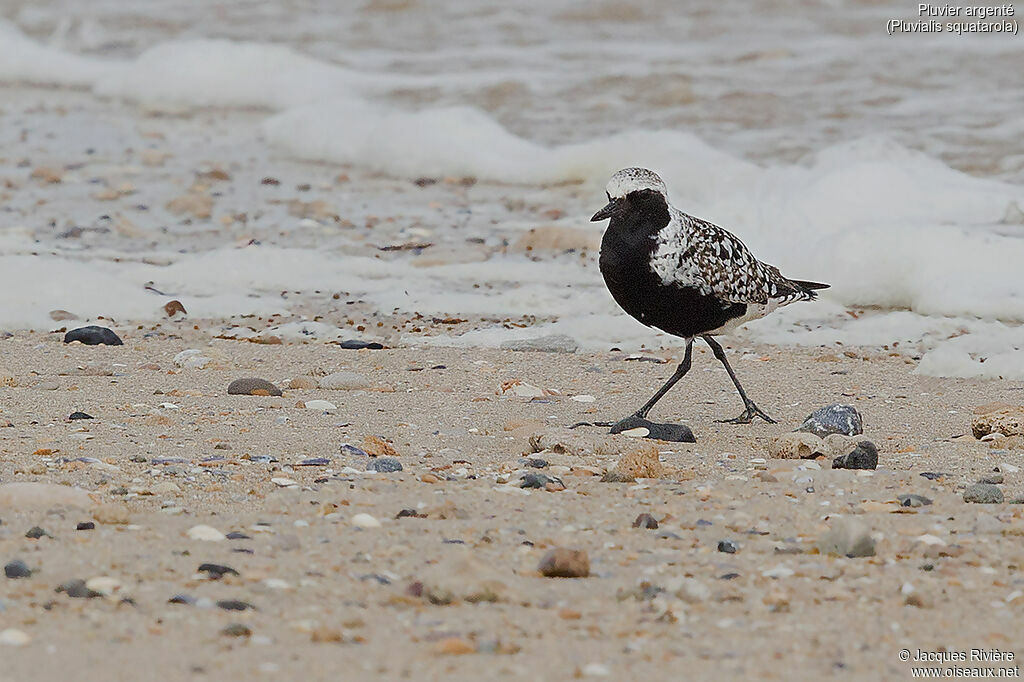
point(626, 251)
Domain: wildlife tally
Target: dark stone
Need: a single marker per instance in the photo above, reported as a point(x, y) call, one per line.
point(347, 449)
point(93, 336)
point(912, 500)
point(85, 525)
point(235, 535)
point(236, 630)
point(412, 513)
point(835, 418)
point(864, 456)
point(80, 415)
point(668, 535)
point(532, 480)
point(216, 571)
point(727, 546)
point(17, 569)
point(314, 462)
point(234, 605)
point(353, 344)
point(729, 576)
point(186, 599)
point(384, 465)
point(250, 386)
point(76, 589)
point(673, 433)
point(645, 521)
point(934, 475)
point(536, 463)
point(35, 532)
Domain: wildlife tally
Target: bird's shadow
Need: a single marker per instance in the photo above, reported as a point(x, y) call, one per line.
point(674, 433)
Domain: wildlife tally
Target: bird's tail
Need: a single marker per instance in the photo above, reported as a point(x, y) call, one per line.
point(807, 289)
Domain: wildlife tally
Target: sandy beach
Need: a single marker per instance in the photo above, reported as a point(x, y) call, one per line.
point(451, 590)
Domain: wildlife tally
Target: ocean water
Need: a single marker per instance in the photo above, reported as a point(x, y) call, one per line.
point(891, 166)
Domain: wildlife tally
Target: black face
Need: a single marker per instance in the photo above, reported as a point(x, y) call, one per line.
point(642, 204)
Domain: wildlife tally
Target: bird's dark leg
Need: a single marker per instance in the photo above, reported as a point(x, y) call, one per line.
point(750, 409)
point(681, 370)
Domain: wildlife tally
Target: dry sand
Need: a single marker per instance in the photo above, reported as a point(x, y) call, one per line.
point(333, 601)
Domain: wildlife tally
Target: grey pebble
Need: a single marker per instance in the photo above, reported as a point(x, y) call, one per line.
point(76, 589)
point(17, 569)
point(347, 449)
point(553, 343)
point(385, 465)
point(314, 462)
point(645, 521)
point(991, 478)
point(248, 385)
point(35, 532)
point(532, 480)
point(864, 456)
point(93, 336)
point(835, 418)
point(912, 500)
point(727, 546)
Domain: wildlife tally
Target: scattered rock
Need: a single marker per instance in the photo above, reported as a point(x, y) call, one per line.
point(565, 563)
point(253, 386)
point(385, 465)
point(994, 479)
point(344, 381)
point(77, 589)
point(617, 477)
point(728, 546)
point(847, 537)
point(836, 418)
point(983, 493)
point(85, 525)
point(236, 630)
point(112, 514)
point(645, 521)
point(553, 343)
point(205, 533)
point(35, 532)
point(321, 405)
point(1005, 419)
point(365, 521)
point(79, 415)
point(453, 646)
point(314, 462)
point(535, 480)
point(376, 446)
point(14, 637)
point(672, 433)
point(216, 571)
point(912, 500)
point(864, 456)
point(234, 605)
point(17, 569)
point(172, 308)
point(643, 462)
point(355, 344)
point(796, 446)
point(93, 336)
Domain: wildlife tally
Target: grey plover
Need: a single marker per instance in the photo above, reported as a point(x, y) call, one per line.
point(685, 276)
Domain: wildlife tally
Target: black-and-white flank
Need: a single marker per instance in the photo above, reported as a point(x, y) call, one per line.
point(684, 275)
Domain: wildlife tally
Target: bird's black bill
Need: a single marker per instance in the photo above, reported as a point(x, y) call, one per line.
point(605, 213)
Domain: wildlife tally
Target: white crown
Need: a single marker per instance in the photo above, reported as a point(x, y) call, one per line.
point(633, 179)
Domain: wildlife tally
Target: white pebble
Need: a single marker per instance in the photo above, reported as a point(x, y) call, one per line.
point(277, 584)
point(105, 585)
point(321, 405)
point(283, 482)
point(365, 521)
point(583, 398)
point(14, 637)
point(206, 533)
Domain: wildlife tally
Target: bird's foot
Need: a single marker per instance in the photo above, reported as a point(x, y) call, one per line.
point(747, 416)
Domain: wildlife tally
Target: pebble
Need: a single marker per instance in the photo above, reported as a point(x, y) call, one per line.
point(80, 415)
point(344, 381)
point(216, 571)
point(236, 630)
point(645, 521)
point(314, 462)
point(303, 383)
point(93, 336)
point(454, 646)
point(283, 482)
point(14, 637)
point(378, 447)
point(565, 563)
point(583, 398)
point(253, 386)
point(347, 449)
point(103, 585)
point(673, 433)
point(85, 525)
point(553, 343)
point(77, 589)
point(42, 496)
point(35, 532)
point(983, 493)
point(365, 521)
point(321, 405)
point(17, 569)
point(1001, 418)
point(535, 463)
point(864, 456)
point(191, 358)
point(234, 605)
point(912, 500)
point(385, 465)
point(354, 344)
point(206, 533)
point(534, 480)
point(847, 537)
point(727, 546)
point(994, 479)
point(796, 446)
point(835, 418)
